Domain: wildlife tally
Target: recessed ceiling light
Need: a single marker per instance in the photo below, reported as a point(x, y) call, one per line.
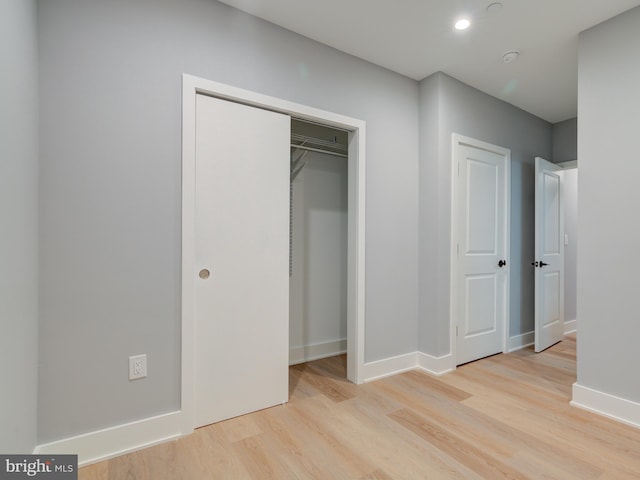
point(462, 24)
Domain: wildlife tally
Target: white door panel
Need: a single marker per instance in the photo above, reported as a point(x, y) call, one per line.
point(241, 257)
point(481, 312)
point(549, 261)
point(481, 203)
point(482, 225)
point(551, 295)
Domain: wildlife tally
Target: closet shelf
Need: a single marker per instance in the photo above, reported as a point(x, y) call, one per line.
point(317, 145)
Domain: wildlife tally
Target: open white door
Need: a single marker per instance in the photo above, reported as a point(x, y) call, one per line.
point(241, 259)
point(481, 185)
point(549, 261)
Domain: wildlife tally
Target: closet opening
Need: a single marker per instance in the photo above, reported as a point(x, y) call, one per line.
point(257, 127)
point(318, 262)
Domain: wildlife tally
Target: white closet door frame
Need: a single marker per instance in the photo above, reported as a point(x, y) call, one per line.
point(356, 222)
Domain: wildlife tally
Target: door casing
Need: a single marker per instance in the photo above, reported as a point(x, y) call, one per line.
point(191, 86)
point(457, 139)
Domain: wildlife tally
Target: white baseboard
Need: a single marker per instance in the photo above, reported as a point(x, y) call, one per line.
point(436, 365)
point(570, 326)
point(389, 366)
point(110, 442)
point(410, 361)
point(620, 409)
point(518, 342)
point(317, 351)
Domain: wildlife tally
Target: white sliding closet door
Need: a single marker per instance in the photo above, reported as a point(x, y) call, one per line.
point(242, 249)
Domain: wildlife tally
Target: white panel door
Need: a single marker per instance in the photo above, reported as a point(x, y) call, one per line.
point(549, 261)
point(482, 250)
point(241, 257)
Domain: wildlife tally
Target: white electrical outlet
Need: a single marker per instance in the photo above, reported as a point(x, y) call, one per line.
point(137, 367)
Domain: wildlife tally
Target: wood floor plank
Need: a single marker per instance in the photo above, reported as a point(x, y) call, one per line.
point(239, 428)
point(97, 471)
point(400, 455)
point(212, 456)
point(529, 463)
point(308, 453)
point(434, 385)
point(290, 445)
point(319, 417)
point(507, 416)
point(258, 459)
point(338, 391)
point(460, 419)
point(377, 475)
point(471, 456)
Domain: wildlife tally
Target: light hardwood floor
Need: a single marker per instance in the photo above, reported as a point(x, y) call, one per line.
point(506, 416)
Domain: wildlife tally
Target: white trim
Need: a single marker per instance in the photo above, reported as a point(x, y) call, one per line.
point(191, 86)
point(568, 165)
point(114, 441)
point(507, 306)
point(436, 365)
point(390, 366)
point(617, 408)
point(453, 257)
point(308, 353)
point(570, 326)
point(518, 342)
point(356, 259)
point(405, 363)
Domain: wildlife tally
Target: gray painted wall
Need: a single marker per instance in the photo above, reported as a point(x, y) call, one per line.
point(565, 141)
point(318, 284)
point(429, 329)
point(467, 111)
point(19, 216)
point(570, 181)
point(608, 300)
point(110, 189)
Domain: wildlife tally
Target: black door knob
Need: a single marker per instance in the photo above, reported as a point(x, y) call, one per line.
point(542, 264)
point(502, 263)
point(534, 264)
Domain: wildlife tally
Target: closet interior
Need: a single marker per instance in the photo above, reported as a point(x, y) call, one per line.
point(318, 242)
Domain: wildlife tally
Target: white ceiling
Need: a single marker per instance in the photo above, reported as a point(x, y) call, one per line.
point(416, 38)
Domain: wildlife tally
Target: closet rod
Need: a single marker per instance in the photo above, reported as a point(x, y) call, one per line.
point(311, 149)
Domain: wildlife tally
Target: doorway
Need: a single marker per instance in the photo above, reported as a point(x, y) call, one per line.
point(318, 242)
point(192, 87)
point(555, 262)
point(549, 254)
point(570, 178)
